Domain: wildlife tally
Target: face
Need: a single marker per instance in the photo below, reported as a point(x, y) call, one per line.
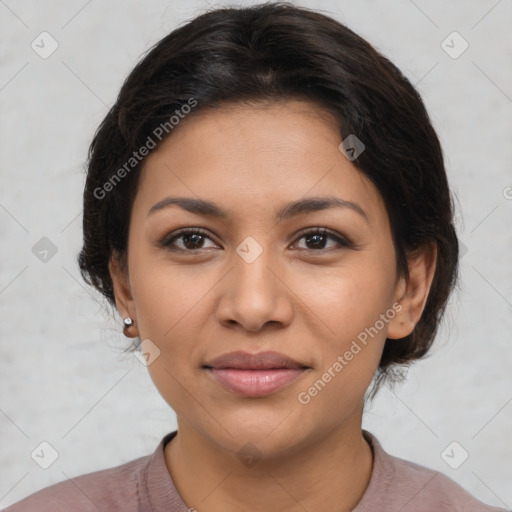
point(254, 281)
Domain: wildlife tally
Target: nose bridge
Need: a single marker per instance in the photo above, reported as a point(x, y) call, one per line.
point(252, 261)
point(252, 296)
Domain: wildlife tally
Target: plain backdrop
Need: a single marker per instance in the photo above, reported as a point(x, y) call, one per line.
point(63, 378)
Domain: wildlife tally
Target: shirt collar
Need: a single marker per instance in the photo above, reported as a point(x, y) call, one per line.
point(161, 491)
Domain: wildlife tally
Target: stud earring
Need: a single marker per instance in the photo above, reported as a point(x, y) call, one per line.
point(128, 322)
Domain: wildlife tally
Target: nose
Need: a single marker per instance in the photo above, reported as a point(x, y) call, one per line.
point(254, 293)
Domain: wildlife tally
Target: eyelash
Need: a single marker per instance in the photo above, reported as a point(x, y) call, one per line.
point(343, 242)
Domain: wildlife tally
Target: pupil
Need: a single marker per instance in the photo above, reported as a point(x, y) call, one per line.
point(317, 238)
point(196, 239)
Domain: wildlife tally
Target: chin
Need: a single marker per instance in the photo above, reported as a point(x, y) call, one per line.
point(274, 433)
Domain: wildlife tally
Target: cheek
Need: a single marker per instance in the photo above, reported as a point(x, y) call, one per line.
point(349, 356)
point(349, 299)
point(350, 302)
point(167, 298)
point(166, 295)
point(170, 301)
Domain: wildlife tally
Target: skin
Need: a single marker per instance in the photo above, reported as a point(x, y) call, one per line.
point(306, 301)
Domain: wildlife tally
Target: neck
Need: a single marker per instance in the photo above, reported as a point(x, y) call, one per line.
point(331, 473)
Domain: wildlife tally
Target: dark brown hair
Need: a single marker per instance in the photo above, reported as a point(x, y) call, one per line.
point(274, 52)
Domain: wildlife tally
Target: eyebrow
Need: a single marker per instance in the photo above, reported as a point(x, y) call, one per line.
point(293, 209)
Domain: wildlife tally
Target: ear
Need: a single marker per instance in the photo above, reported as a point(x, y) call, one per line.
point(122, 289)
point(412, 293)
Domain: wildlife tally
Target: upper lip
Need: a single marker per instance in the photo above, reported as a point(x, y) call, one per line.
point(259, 361)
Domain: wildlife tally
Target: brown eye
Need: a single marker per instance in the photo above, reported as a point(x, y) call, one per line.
point(316, 239)
point(194, 240)
point(191, 240)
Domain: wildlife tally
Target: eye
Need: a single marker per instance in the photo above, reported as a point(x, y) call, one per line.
point(316, 239)
point(192, 240)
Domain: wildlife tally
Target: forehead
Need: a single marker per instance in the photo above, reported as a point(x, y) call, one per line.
point(259, 156)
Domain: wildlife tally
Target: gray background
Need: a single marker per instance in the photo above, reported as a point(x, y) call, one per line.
point(62, 377)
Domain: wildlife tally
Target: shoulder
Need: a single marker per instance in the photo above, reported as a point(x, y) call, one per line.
point(423, 485)
point(409, 487)
point(115, 489)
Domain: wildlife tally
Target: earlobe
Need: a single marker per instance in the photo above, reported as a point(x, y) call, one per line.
point(412, 293)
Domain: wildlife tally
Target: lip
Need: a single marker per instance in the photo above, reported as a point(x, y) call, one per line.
point(254, 375)
point(258, 361)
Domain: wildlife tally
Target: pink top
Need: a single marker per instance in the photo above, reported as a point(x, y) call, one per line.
point(145, 485)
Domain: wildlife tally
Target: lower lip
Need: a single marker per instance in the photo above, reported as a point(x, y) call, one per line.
point(255, 382)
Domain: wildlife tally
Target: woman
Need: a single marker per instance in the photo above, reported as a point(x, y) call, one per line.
point(267, 207)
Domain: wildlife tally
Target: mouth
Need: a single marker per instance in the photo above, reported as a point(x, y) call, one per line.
point(254, 375)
